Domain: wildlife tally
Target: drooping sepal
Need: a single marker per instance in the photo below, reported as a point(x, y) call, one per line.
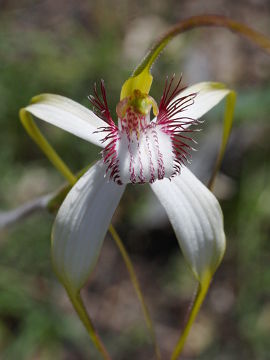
point(197, 219)
point(80, 226)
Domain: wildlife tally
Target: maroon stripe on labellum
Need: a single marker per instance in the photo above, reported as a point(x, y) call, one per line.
point(151, 165)
point(131, 163)
point(141, 176)
point(161, 170)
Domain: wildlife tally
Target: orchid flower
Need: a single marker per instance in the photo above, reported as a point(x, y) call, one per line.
point(138, 150)
point(141, 148)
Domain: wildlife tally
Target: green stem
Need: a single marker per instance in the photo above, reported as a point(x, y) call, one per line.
point(136, 286)
point(201, 21)
point(200, 296)
point(79, 306)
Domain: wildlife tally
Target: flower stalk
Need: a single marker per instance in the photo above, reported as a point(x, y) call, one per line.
point(196, 22)
point(196, 305)
point(79, 306)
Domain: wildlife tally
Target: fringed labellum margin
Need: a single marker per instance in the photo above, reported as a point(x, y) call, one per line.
point(141, 150)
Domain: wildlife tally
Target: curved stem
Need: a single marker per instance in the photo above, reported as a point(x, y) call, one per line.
point(79, 306)
point(199, 298)
point(136, 286)
point(201, 21)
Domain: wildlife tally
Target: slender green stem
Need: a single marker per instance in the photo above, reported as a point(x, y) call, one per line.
point(201, 21)
point(79, 306)
point(136, 286)
point(199, 298)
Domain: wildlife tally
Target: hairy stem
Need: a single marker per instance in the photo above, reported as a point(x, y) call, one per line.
point(196, 22)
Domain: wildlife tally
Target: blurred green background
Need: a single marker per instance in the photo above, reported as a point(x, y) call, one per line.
point(64, 47)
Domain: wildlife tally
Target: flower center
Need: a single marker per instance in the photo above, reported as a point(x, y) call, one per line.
point(140, 150)
point(143, 151)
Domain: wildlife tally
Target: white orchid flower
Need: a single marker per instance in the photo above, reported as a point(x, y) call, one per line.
point(137, 150)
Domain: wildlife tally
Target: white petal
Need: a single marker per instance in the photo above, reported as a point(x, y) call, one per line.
point(68, 115)
point(197, 220)
point(81, 225)
point(209, 94)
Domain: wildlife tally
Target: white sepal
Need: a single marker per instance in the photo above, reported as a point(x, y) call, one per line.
point(208, 95)
point(68, 115)
point(197, 220)
point(81, 224)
